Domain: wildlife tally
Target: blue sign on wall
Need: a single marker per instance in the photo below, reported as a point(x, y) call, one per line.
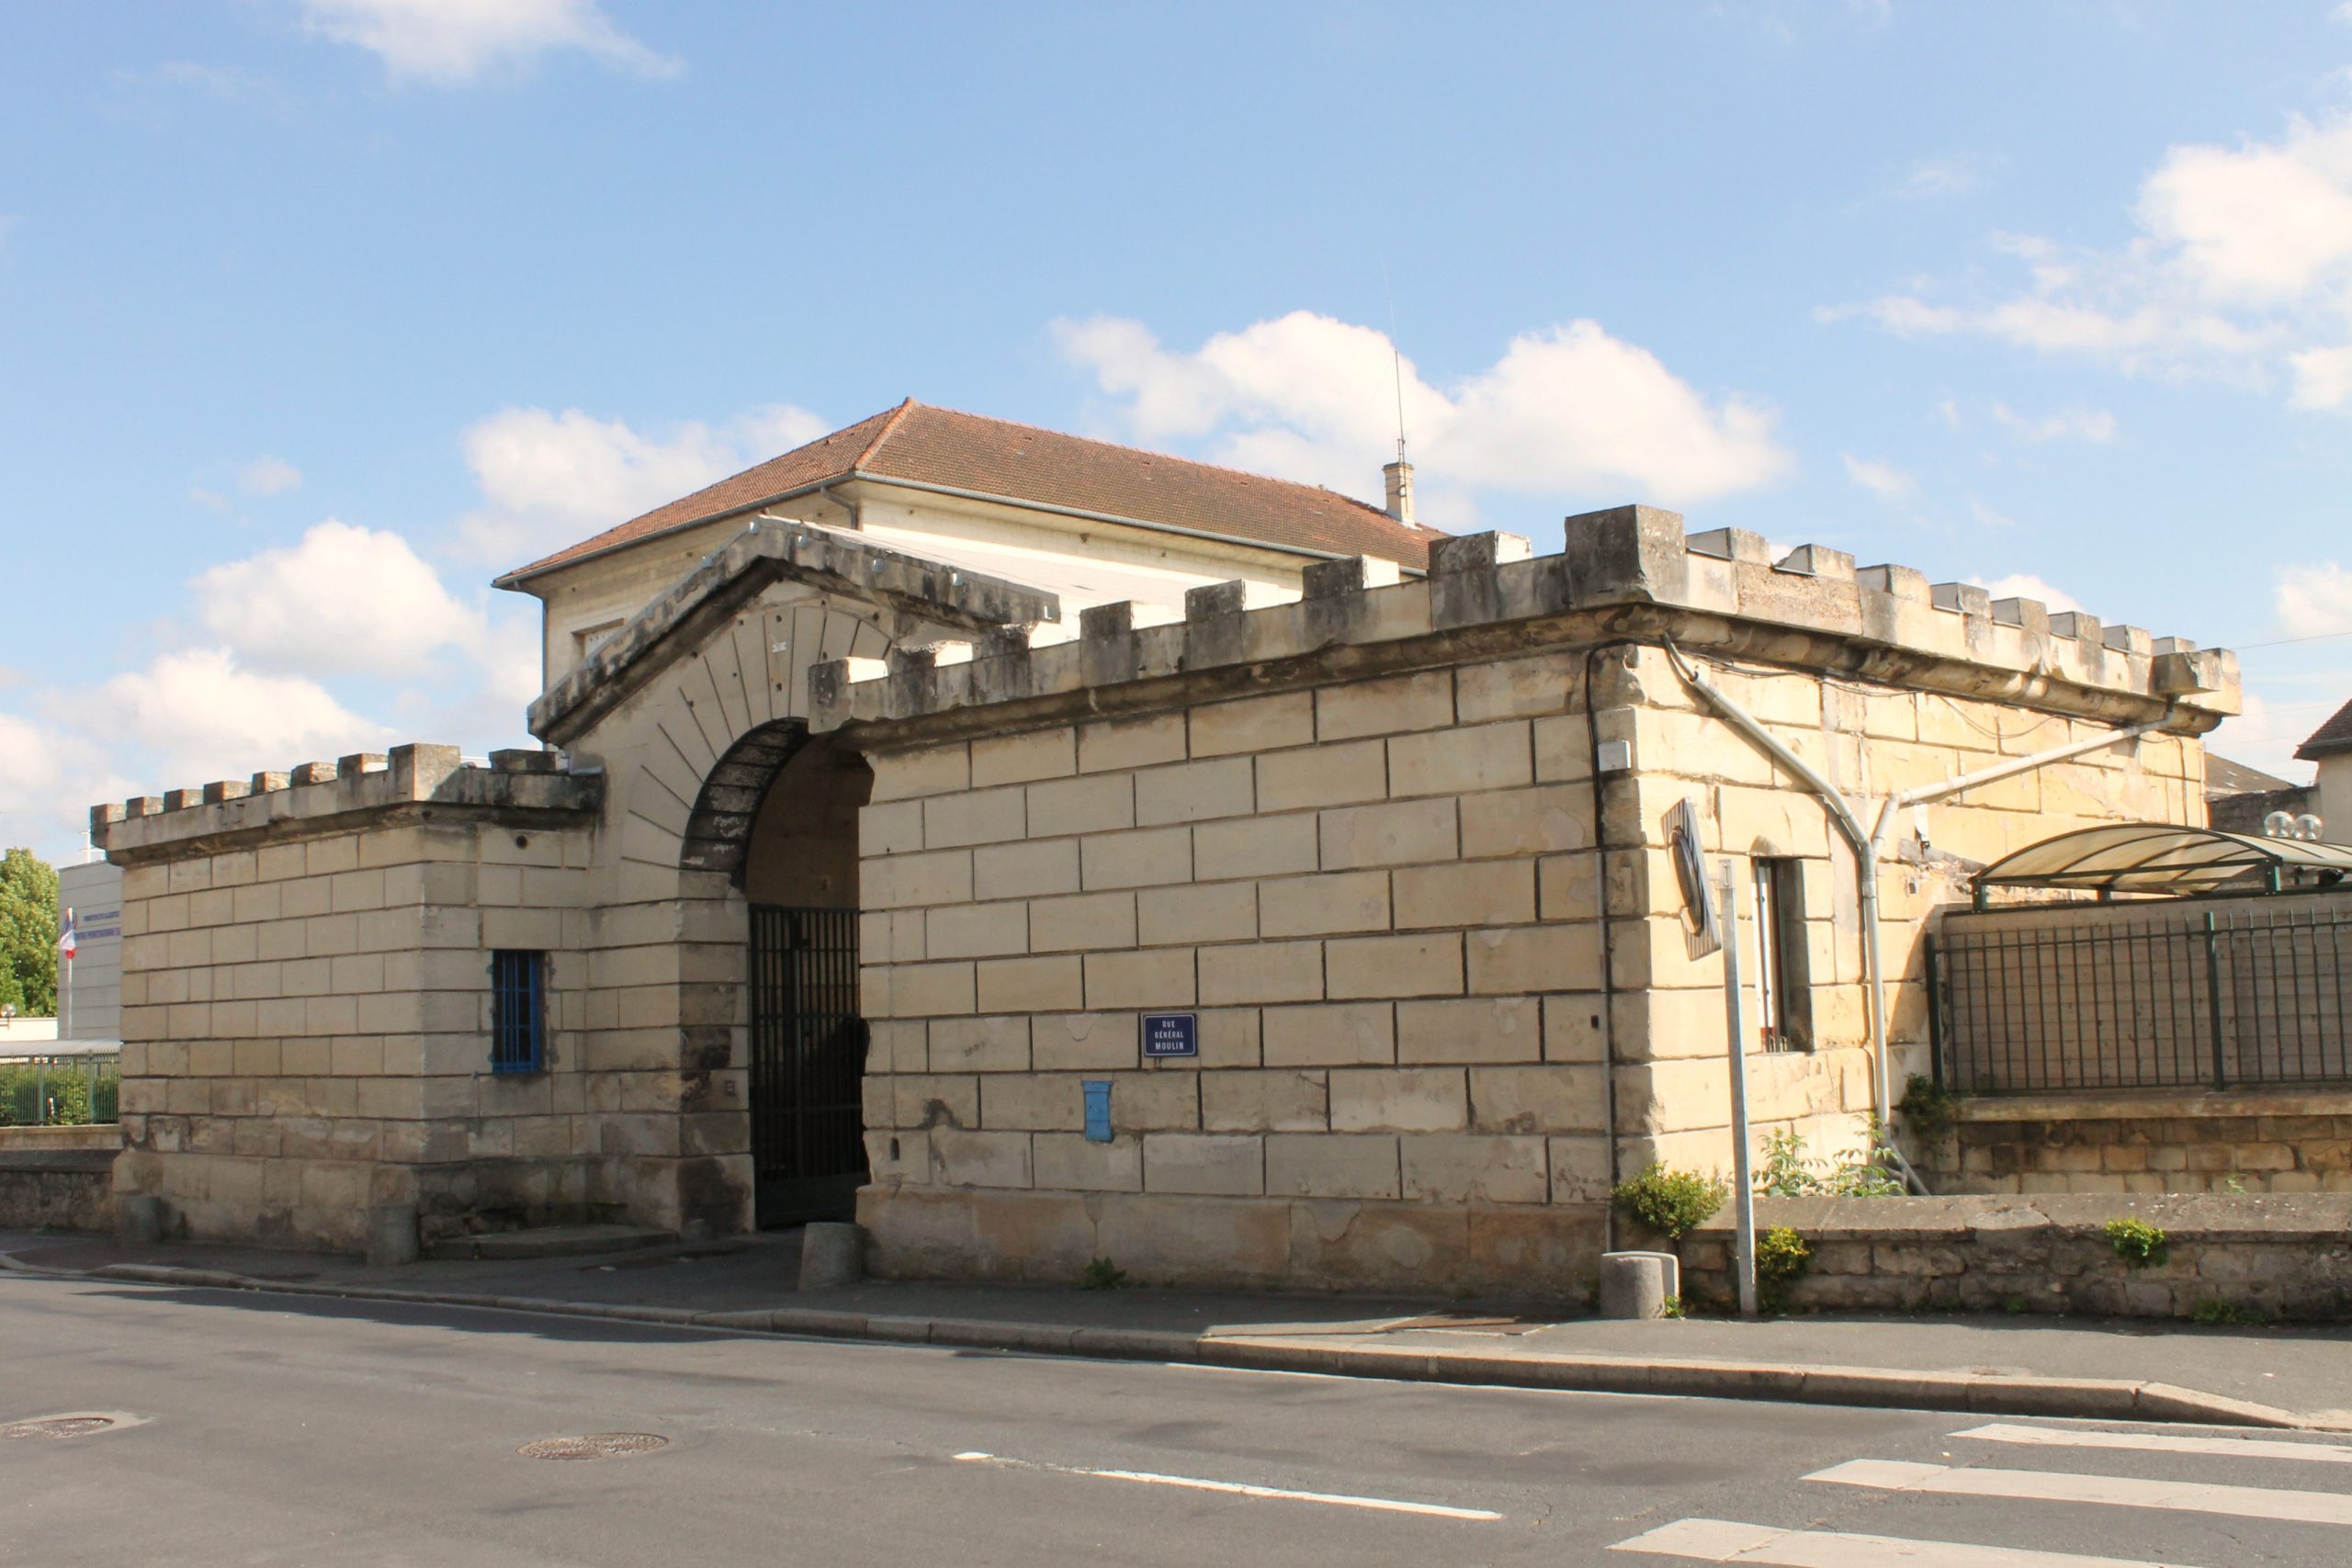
point(1171, 1034)
point(1098, 1110)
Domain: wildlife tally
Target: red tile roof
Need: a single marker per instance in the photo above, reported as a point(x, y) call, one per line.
point(918, 444)
point(2329, 738)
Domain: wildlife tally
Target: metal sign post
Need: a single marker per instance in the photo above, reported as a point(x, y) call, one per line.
point(1743, 1190)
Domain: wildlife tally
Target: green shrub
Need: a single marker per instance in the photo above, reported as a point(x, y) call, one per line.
point(1927, 1110)
point(1784, 1174)
point(1788, 1173)
point(68, 1091)
point(1671, 1203)
point(1102, 1274)
point(1780, 1256)
point(2136, 1242)
point(2221, 1313)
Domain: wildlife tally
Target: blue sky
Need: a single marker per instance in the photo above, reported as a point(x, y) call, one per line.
point(315, 314)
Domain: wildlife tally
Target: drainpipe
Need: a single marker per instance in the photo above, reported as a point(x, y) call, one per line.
point(1868, 846)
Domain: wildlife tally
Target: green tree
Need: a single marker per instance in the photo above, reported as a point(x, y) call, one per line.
point(28, 933)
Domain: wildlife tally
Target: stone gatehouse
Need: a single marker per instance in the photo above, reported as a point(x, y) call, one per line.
point(891, 786)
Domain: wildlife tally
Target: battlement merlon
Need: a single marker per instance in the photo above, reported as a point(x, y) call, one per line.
point(524, 788)
point(1628, 572)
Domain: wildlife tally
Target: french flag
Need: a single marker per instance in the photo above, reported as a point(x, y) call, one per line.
point(66, 942)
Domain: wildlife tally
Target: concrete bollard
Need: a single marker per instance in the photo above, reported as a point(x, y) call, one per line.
point(832, 1255)
point(1636, 1284)
point(391, 1235)
point(137, 1220)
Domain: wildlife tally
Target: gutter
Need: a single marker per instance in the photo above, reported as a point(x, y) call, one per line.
point(1867, 847)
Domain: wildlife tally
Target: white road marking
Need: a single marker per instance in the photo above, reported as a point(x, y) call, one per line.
point(1237, 1489)
point(2159, 1442)
point(2121, 1491)
point(1417, 1383)
point(1722, 1540)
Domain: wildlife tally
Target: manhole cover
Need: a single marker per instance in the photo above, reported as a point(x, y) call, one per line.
point(58, 1426)
point(595, 1445)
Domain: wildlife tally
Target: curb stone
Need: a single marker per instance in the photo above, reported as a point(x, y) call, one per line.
point(2095, 1399)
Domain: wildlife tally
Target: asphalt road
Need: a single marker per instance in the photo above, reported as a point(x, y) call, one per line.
point(273, 1429)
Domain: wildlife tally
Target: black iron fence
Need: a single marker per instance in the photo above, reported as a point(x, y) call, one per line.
point(2115, 999)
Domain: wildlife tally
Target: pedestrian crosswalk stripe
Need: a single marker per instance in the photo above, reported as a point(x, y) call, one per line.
point(2121, 1490)
point(1238, 1489)
point(1723, 1541)
point(2161, 1442)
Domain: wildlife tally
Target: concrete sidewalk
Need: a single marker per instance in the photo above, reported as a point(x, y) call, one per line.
point(2119, 1370)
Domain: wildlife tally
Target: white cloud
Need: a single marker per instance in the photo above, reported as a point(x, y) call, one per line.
point(1939, 178)
point(2240, 268)
point(551, 480)
point(448, 41)
point(227, 84)
point(1988, 518)
point(2314, 600)
point(2025, 586)
point(1948, 411)
point(2095, 425)
point(343, 598)
point(1883, 480)
point(1310, 398)
point(205, 716)
point(268, 476)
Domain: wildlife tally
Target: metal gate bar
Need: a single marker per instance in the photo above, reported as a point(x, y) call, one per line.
point(807, 1063)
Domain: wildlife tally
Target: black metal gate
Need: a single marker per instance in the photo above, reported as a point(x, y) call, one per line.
point(808, 1060)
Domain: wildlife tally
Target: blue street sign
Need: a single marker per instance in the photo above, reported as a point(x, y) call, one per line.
point(1098, 1110)
point(1171, 1034)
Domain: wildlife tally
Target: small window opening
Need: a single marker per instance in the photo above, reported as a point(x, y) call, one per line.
point(1783, 983)
point(518, 1005)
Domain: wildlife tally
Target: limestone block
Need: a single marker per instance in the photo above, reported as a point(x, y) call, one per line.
point(1471, 892)
point(1156, 977)
point(1029, 985)
point(1332, 1165)
point(1261, 972)
point(1440, 1167)
point(1258, 846)
point(1328, 1035)
point(1100, 803)
point(1516, 688)
point(1427, 965)
point(1083, 923)
point(1020, 759)
point(1567, 887)
point(1076, 1040)
point(976, 931)
point(1327, 775)
point(1527, 821)
point(1388, 706)
point(1072, 1161)
point(1548, 1098)
point(1253, 724)
point(1265, 1102)
point(1410, 1099)
point(1042, 867)
point(1145, 858)
point(1040, 1102)
point(1322, 905)
point(1522, 959)
point(936, 770)
point(1457, 762)
point(890, 936)
point(1573, 1028)
point(975, 816)
point(1405, 833)
point(1207, 1163)
point(1229, 1240)
point(1113, 744)
point(894, 827)
point(1484, 1029)
point(1206, 912)
point(1194, 792)
point(984, 1045)
point(900, 881)
point(981, 1159)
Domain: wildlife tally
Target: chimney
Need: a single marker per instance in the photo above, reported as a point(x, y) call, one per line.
point(1399, 474)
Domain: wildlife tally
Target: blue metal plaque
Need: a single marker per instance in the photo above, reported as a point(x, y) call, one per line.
point(1171, 1034)
point(1098, 1110)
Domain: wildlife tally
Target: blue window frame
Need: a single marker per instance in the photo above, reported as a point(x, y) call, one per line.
point(519, 1011)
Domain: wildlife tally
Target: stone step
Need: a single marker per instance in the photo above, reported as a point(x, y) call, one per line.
point(554, 1241)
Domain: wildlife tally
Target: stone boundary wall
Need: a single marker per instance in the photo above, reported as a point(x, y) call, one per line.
point(2274, 1256)
point(59, 1189)
point(2261, 1142)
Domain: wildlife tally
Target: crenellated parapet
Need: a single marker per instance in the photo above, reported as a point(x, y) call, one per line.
point(525, 786)
point(1629, 572)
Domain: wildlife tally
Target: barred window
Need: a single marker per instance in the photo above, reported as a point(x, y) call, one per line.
point(518, 1005)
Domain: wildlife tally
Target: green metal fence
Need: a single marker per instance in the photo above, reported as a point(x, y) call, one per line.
point(60, 1090)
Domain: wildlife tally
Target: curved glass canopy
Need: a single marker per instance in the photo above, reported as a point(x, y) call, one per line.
point(2158, 857)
